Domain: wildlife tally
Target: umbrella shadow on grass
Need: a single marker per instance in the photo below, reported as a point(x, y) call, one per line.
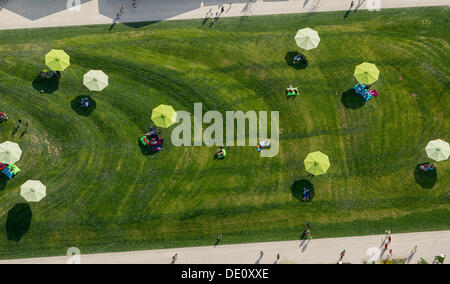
point(350, 99)
point(3, 181)
point(48, 85)
point(297, 189)
point(76, 105)
point(425, 179)
point(146, 151)
point(18, 221)
point(289, 58)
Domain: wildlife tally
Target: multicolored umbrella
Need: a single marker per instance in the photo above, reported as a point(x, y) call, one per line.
point(10, 152)
point(164, 116)
point(33, 190)
point(438, 150)
point(57, 60)
point(307, 38)
point(95, 80)
point(366, 73)
point(317, 163)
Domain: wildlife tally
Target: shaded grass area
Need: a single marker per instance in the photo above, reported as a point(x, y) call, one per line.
point(106, 193)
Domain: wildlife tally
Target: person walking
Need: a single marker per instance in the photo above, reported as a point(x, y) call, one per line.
point(308, 225)
point(352, 4)
point(342, 255)
point(261, 253)
point(388, 232)
point(389, 254)
point(174, 258)
point(413, 251)
point(278, 256)
point(389, 239)
point(385, 246)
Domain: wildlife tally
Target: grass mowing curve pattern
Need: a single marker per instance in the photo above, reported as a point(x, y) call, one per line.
point(104, 194)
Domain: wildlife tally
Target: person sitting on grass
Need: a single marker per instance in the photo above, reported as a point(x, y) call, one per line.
point(425, 167)
point(45, 74)
point(219, 152)
point(291, 90)
point(297, 59)
point(84, 102)
point(306, 194)
point(3, 117)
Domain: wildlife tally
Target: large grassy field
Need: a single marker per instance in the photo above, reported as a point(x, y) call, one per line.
point(104, 194)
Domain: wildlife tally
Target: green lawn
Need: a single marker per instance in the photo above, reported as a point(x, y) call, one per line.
point(104, 194)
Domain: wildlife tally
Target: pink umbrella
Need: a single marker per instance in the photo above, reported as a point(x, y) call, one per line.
point(374, 93)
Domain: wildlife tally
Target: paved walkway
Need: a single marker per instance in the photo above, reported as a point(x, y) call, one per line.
point(358, 249)
point(16, 14)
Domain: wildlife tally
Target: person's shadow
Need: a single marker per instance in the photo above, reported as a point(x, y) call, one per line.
point(217, 242)
point(18, 221)
point(359, 5)
point(410, 257)
point(305, 246)
point(347, 13)
point(382, 253)
point(15, 130)
point(259, 259)
point(276, 261)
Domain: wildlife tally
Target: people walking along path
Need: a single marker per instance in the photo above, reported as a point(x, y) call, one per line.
point(327, 250)
point(90, 13)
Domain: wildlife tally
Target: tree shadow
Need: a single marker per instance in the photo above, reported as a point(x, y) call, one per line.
point(3, 181)
point(289, 58)
point(47, 85)
point(75, 104)
point(350, 99)
point(297, 189)
point(425, 179)
point(18, 221)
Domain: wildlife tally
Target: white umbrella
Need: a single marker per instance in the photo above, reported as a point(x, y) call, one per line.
point(95, 80)
point(33, 190)
point(307, 38)
point(438, 150)
point(10, 152)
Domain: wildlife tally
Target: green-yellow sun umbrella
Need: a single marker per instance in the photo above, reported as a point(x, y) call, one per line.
point(10, 152)
point(164, 116)
point(307, 38)
point(33, 190)
point(317, 163)
point(57, 60)
point(366, 73)
point(95, 80)
point(438, 150)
